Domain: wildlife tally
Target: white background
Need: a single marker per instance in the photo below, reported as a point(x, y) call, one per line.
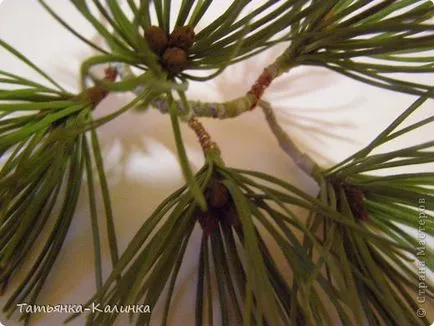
point(328, 115)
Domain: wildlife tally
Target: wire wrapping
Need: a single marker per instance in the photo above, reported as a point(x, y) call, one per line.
point(204, 138)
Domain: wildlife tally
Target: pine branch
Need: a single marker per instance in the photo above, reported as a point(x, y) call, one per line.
point(381, 205)
point(353, 250)
point(303, 161)
point(37, 168)
point(235, 212)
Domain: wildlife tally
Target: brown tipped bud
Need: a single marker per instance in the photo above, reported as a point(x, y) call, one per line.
point(208, 221)
point(231, 216)
point(182, 37)
point(156, 38)
point(96, 94)
point(175, 60)
point(356, 201)
point(218, 195)
point(110, 74)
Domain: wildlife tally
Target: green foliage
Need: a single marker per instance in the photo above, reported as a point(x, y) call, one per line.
point(382, 276)
point(41, 179)
point(233, 242)
point(369, 41)
point(358, 246)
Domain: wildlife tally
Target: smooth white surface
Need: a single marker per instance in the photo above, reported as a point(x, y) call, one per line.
point(328, 115)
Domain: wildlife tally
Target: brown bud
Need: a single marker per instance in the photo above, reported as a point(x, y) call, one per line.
point(175, 60)
point(356, 201)
point(182, 37)
point(218, 195)
point(156, 38)
point(96, 94)
point(208, 221)
point(110, 74)
point(231, 216)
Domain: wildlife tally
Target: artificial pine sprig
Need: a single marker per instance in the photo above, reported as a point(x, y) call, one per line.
point(370, 42)
point(392, 33)
point(42, 172)
point(395, 206)
point(387, 205)
point(251, 288)
point(379, 42)
point(215, 44)
point(182, 156)
point(153, 258)
point(354, 249)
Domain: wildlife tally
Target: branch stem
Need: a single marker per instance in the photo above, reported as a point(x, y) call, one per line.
point(204, 137)
point(302, 160)
point(228, 109)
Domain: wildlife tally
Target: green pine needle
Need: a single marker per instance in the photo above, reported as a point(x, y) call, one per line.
point(382, 205)
point(359, 245)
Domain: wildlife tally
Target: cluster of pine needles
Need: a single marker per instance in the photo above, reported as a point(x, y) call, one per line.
point(270, 254)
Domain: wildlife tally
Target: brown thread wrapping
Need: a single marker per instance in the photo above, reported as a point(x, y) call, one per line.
point(204, 138)
point(258, 88)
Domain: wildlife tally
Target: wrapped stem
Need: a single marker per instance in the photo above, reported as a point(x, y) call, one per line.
point(302, 160)
point(204, 137)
